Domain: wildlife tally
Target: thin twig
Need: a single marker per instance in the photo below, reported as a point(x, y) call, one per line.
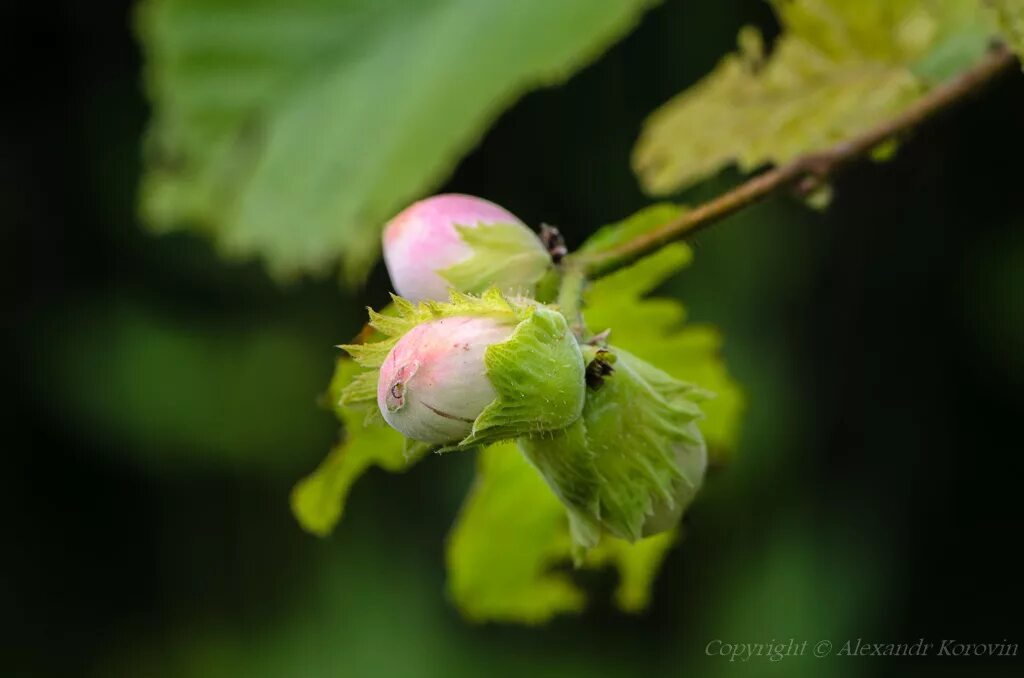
point(804, 173)
point(570, 298)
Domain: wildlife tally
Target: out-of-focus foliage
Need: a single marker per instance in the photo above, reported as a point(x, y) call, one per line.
point(1010, 17)
point(838, 68)
point(509, 549)
point(993, 299)
point(509, 537)
point(638, 564)
point(293, 130)
point(218, 392)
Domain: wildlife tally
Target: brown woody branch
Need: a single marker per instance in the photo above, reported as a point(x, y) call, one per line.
point(803, 174)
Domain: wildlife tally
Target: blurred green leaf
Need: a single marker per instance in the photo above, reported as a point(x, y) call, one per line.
point(509, 536)
point(1010, 18)
point(637, 563)
point(838, 69)
point(953, 52)
point(510, 547)
point(653, 329)
point(293, 130)
point(993, 299)
point(172, 388)
point(799, 583)
point(318, 500)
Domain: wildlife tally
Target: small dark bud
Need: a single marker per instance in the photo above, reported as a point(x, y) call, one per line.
point(552, 239)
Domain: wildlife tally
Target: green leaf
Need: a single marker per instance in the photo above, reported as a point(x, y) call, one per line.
point(638, 565)
point(654, 330)
point(956, 50)
point(508, 551)
point(291, 130)
point(1010, 18)
point(509, 537)
point(507, 256)
point(318, 500)
point(619, 461)
point(838, 68)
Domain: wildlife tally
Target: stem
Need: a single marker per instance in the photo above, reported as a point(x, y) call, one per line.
point(805, 173)
point(570, 297)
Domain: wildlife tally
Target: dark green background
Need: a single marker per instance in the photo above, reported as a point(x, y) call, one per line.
point(164, 401)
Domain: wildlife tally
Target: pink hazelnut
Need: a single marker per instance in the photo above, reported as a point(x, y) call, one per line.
point(433, 384)
point(422, 240)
